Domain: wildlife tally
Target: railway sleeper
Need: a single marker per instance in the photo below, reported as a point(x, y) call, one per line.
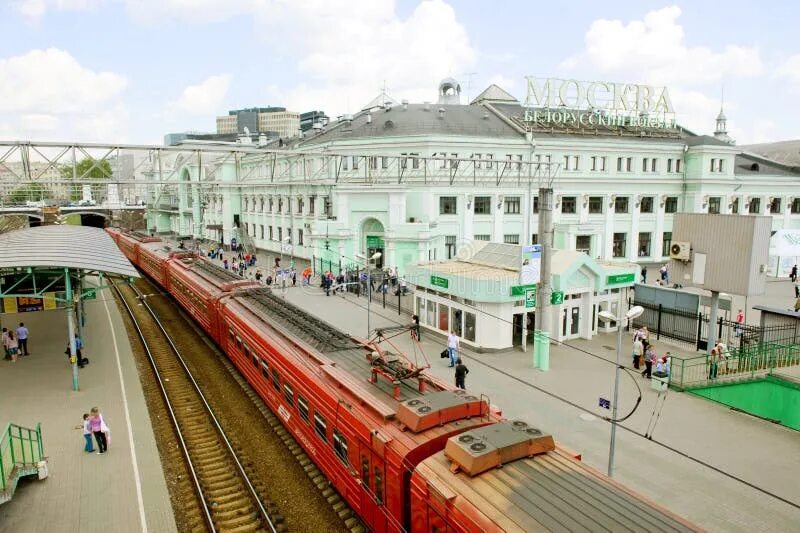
point(218, 478)
point(338, 506)
point(230, 522)
point(223, 486)
point(335, 498)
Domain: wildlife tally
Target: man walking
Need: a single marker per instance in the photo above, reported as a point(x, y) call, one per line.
point(22, 337)
point(461, 374)
point(452, 347)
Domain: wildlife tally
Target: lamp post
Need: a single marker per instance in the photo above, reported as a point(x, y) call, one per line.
point(374, 257)
point(606, 316)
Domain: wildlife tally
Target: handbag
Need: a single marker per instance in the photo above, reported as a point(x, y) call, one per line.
point(445, 353)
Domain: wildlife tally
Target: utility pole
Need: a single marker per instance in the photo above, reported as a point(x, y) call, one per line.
point(543, 308)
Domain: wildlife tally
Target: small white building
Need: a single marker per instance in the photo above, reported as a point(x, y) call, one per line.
point(479, 296)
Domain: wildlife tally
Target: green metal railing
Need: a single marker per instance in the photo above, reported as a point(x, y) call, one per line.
point(20, 447)
point(740, 363)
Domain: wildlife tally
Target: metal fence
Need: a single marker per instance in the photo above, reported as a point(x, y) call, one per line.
point(741, 363)
point(20, 447)
point(692, 328)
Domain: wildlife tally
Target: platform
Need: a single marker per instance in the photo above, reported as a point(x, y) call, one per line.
point(123, 490)
point(752, 449)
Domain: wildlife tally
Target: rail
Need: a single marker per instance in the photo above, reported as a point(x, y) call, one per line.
point(184, 448)
point(740, 363)
point(20, 447)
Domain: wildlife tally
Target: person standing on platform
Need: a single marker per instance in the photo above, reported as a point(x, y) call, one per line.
point(452, 347)
point(100, 430)
point(22, 336)
point(415, 329)
point(649, 359)
point(638, 351)
point(5, 343)
point(793, 275)
point(461, 374)
point(12, 346)
point(88, 447)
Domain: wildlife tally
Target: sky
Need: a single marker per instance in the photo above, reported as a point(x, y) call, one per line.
point(130, 71)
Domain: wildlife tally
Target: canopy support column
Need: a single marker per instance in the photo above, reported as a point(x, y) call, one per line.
point(73, 359)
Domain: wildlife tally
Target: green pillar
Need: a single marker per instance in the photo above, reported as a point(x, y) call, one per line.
point(73, 359)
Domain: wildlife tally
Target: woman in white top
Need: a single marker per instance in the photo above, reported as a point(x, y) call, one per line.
point(638, 350)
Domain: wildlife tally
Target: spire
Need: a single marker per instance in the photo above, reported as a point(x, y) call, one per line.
point(721, 131)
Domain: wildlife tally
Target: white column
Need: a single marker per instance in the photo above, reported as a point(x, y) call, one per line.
point(468, 216)
point(583, 208)
point(633, 246)
point(787, 208)
point(658, 238)
point(497, 228)
point(608, 248)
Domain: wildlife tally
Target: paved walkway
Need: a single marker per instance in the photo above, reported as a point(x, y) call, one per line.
point(759, 452)
point(123, 490)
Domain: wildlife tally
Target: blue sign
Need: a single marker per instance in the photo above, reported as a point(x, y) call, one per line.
point(605, 404)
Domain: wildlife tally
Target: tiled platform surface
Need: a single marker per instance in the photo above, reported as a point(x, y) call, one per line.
point(123, 490)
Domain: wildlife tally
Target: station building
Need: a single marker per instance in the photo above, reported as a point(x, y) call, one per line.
point(419, 181)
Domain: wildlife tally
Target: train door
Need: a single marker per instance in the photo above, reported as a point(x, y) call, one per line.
point(373, 488)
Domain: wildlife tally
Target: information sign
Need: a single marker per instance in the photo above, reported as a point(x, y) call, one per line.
point(436, 281)
point(556, 298)
point(530, 298)
point(616, 279)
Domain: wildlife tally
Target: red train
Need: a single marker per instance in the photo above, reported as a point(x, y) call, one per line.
point(407, 451)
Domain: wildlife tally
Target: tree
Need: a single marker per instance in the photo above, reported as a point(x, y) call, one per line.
point(86, 170)
point(33, 192)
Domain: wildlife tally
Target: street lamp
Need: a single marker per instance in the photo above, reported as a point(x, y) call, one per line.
point(606, 316)
point(374, 257)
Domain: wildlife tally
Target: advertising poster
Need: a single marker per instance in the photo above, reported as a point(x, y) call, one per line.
point(25, 304)
point(530, 271)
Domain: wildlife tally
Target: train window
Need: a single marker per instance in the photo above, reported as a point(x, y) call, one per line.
point(320, 426)
point(255, 360)
point(340, 446)
point(238, 343)
point(288, 393)
point(365, 471)
point(302, 406)
point(230, 334)
point(264, 369)
point(276, 380)
point(378, 486)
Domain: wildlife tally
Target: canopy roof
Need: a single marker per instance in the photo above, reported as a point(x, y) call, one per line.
point(64, 246)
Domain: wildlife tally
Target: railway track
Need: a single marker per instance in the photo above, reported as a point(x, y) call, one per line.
point(228, 499)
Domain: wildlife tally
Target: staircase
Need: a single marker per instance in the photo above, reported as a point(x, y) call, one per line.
point(21, 455)
point(248, 246)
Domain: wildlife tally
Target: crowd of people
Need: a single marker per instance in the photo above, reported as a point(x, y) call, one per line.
point(15, 342)
point(645, 356)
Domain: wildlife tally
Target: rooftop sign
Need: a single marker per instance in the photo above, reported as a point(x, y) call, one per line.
point(598, 103)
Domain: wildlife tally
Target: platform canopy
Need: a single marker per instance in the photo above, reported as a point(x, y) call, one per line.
point(63, 246)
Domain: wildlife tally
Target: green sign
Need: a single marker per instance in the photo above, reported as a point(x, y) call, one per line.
point(436, 281)
point(556, 298)
point(519, 290)
point(374, 241)
point(89, 294)
point(530, 298)
point(616, 279)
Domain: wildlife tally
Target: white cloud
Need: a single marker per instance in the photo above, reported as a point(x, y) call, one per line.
point(205, 97)
point(162, 12)
point(35, 9)
point(52, 81)
point(43, 91)
point(790, 69)
point(653, 50)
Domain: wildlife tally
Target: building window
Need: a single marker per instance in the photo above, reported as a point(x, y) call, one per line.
point(511, 238)
point(716, 165)
point(775, 206)
point(514, 161)
point(535, 205)
point(595, 205)
point(646, 204)
point(340, 446)
point(671, 204)
point(603, 163)
point(320, 426)
point(280, 233)
point(300, 206)
point(384, 162)
point(593, 162)
point(488, 161)
point(644, 244)
point(620, 164)
point(450, 245)
point(713, 205)
point(653, 165)
point(480, 237)
point(302, 407)
point(373, 162)
point(483, 205)
point(755, 206)
point(678, 165)
point(619, 245)
point(669, 165)
point(300, 237)
point(621, 204)
point(512, 204)
point(355, 162)
point(535, 238)
point(262, 231)
point(583, 243)
point(666, 243)
point(795, 206)
point(735, 206)
point(568, 205)
point(327, 207)
point(447, 205)
point(645, 166)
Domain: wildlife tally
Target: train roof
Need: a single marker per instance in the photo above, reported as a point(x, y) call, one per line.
point(350, 363)
point(213, 275)
point(552, 492)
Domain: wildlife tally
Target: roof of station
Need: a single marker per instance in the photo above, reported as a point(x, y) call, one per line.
point(64, 246)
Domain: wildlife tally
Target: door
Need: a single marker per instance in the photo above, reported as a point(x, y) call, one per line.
point(516, 336)
point(376, 263)
point(575, 320)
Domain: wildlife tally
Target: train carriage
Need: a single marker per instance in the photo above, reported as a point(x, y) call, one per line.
point(129, 241)
point(153, 259)
point(198, 285)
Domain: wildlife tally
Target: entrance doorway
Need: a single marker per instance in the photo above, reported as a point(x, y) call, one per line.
point(372, 230)
point(529, 321)
point(571, 317)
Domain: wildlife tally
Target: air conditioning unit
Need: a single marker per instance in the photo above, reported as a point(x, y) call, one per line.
point(680, 251)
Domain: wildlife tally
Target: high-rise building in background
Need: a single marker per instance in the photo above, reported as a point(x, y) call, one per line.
point(276, 121)
point(309, 118)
